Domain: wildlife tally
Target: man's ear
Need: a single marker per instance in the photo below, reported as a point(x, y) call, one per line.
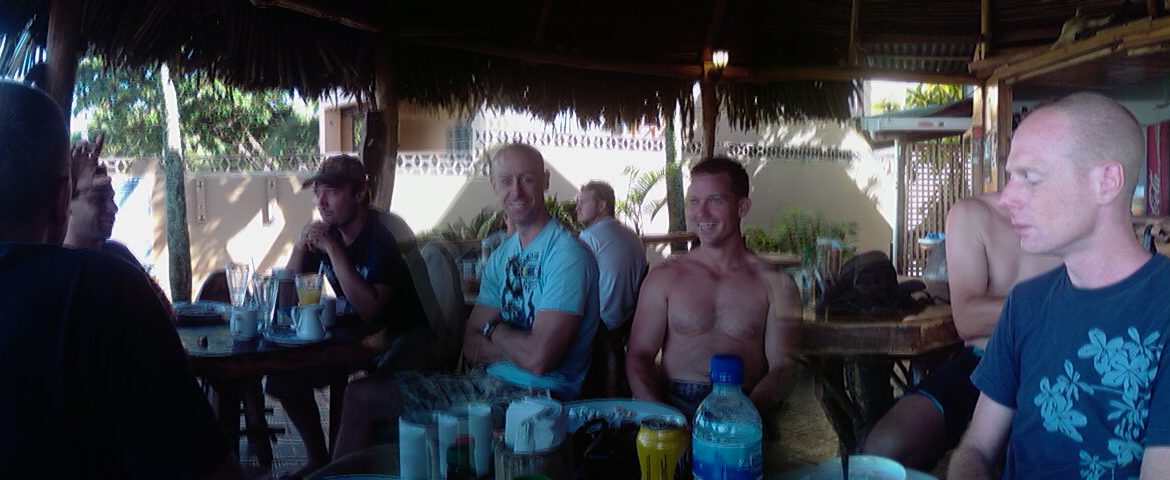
point(745, 205)
point(546, 180)
point(59, 209)
point(1108, 181)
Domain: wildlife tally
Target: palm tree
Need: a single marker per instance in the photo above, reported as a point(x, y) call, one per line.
point(634, 206)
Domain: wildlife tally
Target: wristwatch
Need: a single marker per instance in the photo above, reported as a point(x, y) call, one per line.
point(488, 328)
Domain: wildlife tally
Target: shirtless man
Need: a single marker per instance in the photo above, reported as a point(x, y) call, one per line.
point(719, 298)
point(984, 261)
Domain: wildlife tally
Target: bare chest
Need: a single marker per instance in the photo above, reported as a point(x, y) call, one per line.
point(736, 306)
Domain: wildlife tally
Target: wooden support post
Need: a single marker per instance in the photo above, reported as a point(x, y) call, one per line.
point(998, 130)
point(982, 51)
point(978, 141)
point(384, 162)
point(897, 246)
point(1002, 117)
point(63, 49)
point(710, 116)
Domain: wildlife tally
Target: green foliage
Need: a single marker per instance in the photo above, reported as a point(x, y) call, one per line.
point(216, 119)
point(925, 94)
point(634, 206)
point(885, 105)
point(796, 231)
point(564, 211)
point(922, 95)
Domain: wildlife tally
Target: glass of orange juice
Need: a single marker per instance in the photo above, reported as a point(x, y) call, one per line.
point(308, 288)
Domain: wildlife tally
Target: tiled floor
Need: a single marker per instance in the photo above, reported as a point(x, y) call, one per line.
point(804, 436)
point(288, 452)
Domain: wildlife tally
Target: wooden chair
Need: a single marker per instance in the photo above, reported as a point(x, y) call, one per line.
point(215, 287)
point(248, 391)
point(606, 377)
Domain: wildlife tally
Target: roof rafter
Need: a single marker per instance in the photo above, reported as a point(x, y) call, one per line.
point(330, 11)
point(686, 70)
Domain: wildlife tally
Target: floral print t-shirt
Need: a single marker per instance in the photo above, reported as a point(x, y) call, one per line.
point(1081, 369)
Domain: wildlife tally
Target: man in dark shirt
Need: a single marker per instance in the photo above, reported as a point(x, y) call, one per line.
point(356, 248)
point(96, 384)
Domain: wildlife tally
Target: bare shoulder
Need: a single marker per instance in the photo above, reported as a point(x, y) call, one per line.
point(972, 211)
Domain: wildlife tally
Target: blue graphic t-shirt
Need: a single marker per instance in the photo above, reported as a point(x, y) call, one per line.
point(1081, 368)
point(554, 272)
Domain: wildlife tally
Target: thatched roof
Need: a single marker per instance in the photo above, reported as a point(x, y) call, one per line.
point(611, 60)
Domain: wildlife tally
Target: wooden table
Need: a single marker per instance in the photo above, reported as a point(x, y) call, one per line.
point(853, 360)
point(781, 260)
point(233, 370)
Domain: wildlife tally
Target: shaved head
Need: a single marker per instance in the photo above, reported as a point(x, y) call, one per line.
point(1098, 129)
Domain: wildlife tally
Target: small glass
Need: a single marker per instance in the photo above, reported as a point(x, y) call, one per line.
point(264, 296)
point(237, 280)
point(308, 289)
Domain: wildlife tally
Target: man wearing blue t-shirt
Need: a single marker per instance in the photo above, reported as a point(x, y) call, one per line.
point(537, 310)
point(1069, 380)
point(532, 328)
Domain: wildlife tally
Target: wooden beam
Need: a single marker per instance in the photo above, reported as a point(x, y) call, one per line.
point(709, 82)
point(714, 25)
point(710, 102)
point(1137, 35)
point(854, 33)
point(677, 70)
point(63, 50)
point(542, 23)
point(690, 71)
point(349, 17)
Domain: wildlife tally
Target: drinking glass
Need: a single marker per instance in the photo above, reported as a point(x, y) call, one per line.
point(308, 288)
point(237, 280)
point(264, 293)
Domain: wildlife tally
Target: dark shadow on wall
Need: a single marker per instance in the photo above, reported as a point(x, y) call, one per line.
point(469, 201)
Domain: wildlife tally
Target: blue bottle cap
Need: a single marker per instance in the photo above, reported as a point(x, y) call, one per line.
point(726, 368)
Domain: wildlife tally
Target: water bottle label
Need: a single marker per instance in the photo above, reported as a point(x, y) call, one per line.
point(714, 461)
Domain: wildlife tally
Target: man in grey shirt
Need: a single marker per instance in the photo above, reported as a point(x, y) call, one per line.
point(621, 258)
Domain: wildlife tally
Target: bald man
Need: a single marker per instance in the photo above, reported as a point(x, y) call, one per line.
point(1070, 381)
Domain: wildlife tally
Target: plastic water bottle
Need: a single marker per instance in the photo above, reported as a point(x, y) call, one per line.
point(727, 440)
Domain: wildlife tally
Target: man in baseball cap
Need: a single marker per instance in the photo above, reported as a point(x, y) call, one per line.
point(357, 247)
